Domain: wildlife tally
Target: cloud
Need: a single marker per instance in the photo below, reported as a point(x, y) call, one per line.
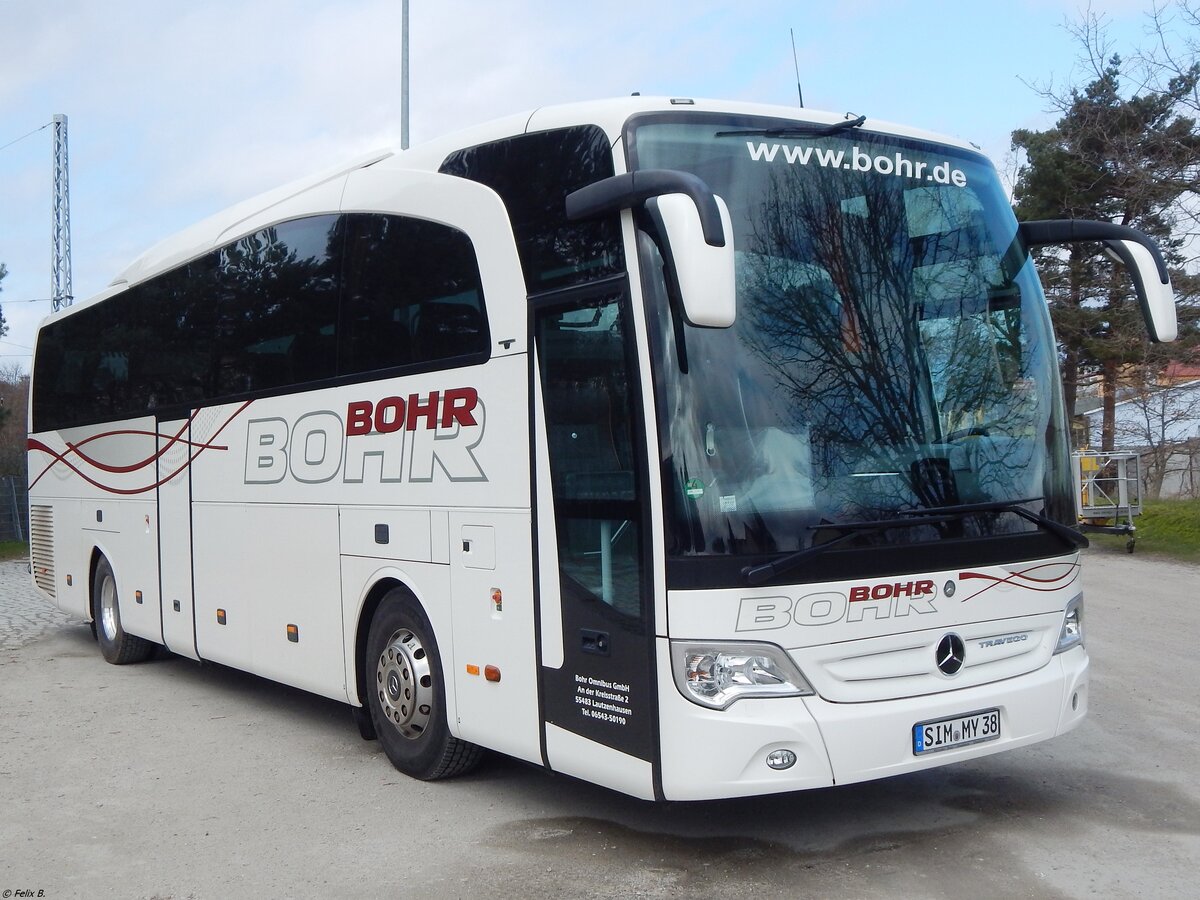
point(177, 111)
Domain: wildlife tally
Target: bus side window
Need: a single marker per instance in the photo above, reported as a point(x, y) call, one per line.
point(533, 173)
point(412, 295)
point(277, 295)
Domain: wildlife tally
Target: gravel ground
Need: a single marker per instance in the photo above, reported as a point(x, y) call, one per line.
point(172, 779)
point(24, 615)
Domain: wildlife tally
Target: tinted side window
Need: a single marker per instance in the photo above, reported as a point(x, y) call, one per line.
point(82, 366)
point(413, 294)
point(174, 339)
point(275, 295)
point(533, 174)
point(297, 303)
point(258, 314)
point(107, 361)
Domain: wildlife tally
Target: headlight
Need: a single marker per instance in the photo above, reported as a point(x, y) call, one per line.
point(1071, 633)
point(715, 675)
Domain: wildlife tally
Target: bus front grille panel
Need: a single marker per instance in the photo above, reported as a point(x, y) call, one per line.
point(891, 667)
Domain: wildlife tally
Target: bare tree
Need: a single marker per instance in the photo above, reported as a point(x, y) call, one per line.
point(1159, 422)
point(14, 401)
point(3, 324)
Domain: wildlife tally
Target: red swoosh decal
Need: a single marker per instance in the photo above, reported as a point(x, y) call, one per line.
point(1026, 580)
point(175, 438)
point(198, 448)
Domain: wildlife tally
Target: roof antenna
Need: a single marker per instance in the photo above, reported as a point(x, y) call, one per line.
point(796, 63)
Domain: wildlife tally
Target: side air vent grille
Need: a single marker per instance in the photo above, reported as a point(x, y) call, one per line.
point(41, 547)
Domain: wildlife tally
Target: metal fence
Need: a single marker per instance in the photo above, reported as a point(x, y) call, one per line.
point(14, 508)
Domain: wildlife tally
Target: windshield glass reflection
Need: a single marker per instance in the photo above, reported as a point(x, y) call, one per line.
point(892, 350)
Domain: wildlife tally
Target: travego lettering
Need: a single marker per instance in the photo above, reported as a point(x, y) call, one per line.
point(396, 439)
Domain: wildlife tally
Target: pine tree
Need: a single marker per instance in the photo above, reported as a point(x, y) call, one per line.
point(1134, 161)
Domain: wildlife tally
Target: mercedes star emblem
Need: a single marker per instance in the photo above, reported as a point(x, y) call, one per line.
point(950, 653)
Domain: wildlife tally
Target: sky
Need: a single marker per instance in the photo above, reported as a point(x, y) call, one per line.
point(176, 110)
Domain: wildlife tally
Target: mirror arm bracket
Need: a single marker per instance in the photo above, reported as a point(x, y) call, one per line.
point(624, 191)
point(1070, 231)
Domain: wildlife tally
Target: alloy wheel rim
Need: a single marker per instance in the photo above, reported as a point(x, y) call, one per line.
point(108, 608)
point(404, 684)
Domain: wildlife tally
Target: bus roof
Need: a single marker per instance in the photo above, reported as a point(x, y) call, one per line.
point(610, 115)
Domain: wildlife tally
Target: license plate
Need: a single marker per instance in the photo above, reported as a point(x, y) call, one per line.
point(958, 731)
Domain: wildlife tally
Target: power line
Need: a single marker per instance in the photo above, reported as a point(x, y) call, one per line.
point(22, 137)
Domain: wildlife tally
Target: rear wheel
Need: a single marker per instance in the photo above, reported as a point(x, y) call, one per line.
point(407, 696)
point(117, 646)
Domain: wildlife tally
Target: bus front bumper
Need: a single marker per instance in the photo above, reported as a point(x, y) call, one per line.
point(710, 754)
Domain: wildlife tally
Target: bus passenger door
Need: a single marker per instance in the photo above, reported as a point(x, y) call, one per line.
point(596, 634)
point(175, 536)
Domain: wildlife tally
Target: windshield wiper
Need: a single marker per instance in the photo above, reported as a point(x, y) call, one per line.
point(813, 130)
point(766, 571)
point(1065, 532)
point(762, 573)
point(783, 565)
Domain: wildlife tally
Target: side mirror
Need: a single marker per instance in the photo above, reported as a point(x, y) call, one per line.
point(696, 229)
point(1154, 293)
point(1135, 249)
point(704, 275)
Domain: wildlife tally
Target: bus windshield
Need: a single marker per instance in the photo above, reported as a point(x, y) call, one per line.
point(892, 351)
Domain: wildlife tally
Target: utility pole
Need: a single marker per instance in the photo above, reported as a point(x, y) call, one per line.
point(61, 292)
point(404, 78)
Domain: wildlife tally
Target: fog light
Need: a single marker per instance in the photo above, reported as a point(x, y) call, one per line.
point(781, 759)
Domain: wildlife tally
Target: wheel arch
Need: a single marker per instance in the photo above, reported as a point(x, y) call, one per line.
point(366, 613)
point(98, 553)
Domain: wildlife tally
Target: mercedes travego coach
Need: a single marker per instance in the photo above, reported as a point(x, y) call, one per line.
point(695, 449)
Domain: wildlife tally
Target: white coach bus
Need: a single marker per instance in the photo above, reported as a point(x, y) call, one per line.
point(693, 449)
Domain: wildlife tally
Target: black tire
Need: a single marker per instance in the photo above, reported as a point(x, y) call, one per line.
point(118, 647)
point(362, 719)
point(406, 693)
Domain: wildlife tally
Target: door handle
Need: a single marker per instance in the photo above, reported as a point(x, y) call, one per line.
point(593, 641)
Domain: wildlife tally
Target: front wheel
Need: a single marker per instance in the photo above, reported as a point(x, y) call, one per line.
point(407, 694)
point(117, 646)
